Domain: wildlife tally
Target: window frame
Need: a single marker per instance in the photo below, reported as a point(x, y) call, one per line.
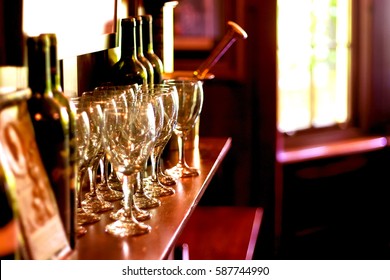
point(370, 109)
point(312, 90)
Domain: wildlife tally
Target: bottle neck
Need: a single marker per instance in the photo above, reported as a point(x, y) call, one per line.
point(128, 44)
point(39, 77)
point(139, 37)
point(147, 29)
point(54, 64)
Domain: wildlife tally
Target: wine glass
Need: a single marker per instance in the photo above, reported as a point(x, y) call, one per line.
point(85, 153)
point(128, 137)
point(165, 99)
point(101, 96)
point(190, 92)
point(93, 202)
point(82, 134)
point(109, 186)
point(109, 180)
point(141, 200)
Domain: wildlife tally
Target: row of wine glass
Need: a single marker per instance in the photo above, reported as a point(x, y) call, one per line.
point(119, 130)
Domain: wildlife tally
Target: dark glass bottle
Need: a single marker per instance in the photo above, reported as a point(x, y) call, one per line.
point(59, 95)
point(149, 53)
point(50, 122)
point(128, 70)
point(140, 51)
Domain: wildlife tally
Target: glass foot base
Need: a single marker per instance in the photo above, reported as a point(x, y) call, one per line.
point(123, 229)
point(157, 190)
point(110, 195)
point(80, 231)
point(114, 183)
point(95, 205)
point(166, 180)
point(139, 215)
point(144, 201)
point(86, 218)
point(182, 172)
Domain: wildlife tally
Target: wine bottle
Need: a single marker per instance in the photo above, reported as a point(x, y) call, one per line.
point(149, 53)
point(50, 122)
point(128, 69)
point(140, 51)
point(59, 95)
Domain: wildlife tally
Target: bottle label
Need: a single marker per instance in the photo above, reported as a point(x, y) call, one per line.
point(39, 220)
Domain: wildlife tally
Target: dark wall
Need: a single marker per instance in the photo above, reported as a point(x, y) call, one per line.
point(242, 104)
point(337, 208)
point(380, 65)
point(11, 36)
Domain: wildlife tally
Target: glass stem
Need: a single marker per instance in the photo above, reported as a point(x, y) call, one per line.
point(153, 162)
point(110, 172)
point(138, 189)
point(92, 177)
point(128, 183)
point(158, 150)
point(80, 177)
point(180, 145)
point(158, 167)
point(103, 171)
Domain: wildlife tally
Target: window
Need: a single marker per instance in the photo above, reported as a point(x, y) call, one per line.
point(313, 63)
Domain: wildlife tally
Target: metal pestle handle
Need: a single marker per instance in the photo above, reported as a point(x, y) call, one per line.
point(233, 33)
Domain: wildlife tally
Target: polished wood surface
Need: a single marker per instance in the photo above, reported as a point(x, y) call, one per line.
point(222, 233)
point(167, 221)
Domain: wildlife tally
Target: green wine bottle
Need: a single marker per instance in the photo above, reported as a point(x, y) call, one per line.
point(140, 51)
point(60, 96)
point(149, 53)
point(51, 125)
point(128, 69)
